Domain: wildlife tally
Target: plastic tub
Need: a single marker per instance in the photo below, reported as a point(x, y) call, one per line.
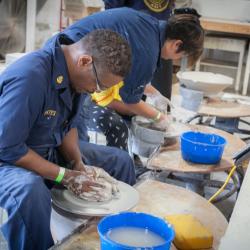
point(135, 220)
point(191, 99)
point(202, 148)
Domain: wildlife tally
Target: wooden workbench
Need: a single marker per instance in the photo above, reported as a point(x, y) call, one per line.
point(170, 158)
point(225, 26)
point(224, 109)
point(159, 199)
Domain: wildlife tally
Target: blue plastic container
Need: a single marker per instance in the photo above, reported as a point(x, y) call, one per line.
point(202, 148)
point(139, 220)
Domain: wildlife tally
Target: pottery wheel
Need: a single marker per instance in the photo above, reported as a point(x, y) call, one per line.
point(126, 200)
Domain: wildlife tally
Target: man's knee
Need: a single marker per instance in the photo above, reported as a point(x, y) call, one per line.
point(26, 187)
point(125, 167)
point(36, 190)
point(28, 203)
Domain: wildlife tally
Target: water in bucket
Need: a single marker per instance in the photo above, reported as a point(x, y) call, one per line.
point(135, 237)
point(130, 231)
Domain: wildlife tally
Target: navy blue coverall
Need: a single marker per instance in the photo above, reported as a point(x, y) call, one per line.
point(37, 109)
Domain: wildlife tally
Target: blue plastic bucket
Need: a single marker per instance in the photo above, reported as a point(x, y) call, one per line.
point(202, 148)
point(137, 220)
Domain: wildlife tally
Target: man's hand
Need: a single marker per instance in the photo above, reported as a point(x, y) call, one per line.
point(83, 186)
point(98, 173)
point(94, 173)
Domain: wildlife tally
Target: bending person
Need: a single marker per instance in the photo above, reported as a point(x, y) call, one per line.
point(41, 98)
point(150, 40)
point(162, 79)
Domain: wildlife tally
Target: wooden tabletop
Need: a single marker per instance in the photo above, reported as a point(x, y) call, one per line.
point(224, 109)
point(225, 26)
point(170, 158)
point(163, 199)
point(159, 199)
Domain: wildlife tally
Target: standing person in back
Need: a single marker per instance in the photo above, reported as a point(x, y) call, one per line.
point(161, 10)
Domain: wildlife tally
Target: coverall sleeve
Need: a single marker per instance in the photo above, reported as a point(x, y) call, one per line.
point(131, 94)
point(20, 103)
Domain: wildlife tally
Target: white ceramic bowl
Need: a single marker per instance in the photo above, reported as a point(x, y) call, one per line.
point(207, 82)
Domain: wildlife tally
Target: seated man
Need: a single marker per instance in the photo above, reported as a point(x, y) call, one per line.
point(40, 100)
point(150, 40)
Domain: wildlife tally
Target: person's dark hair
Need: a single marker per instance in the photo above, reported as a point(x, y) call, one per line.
point(187, 28)
point(191, 11)
point(110, 52)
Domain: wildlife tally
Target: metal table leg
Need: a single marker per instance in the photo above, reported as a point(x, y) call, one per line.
point(196, 185)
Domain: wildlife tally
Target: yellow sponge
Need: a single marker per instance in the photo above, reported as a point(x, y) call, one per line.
point(189, 232)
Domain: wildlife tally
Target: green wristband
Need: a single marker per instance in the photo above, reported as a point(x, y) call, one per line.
point(60, 175)
point(157, 117)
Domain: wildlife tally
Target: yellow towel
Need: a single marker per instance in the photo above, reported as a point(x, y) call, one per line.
point(105, 97)
point(189, 232)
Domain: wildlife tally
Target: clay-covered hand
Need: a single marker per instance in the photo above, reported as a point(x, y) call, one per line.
point(83, 186)
point(163, 123)
point(159, 101)
point(100, 174)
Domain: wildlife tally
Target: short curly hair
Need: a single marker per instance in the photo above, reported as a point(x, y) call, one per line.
point(110, 51)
